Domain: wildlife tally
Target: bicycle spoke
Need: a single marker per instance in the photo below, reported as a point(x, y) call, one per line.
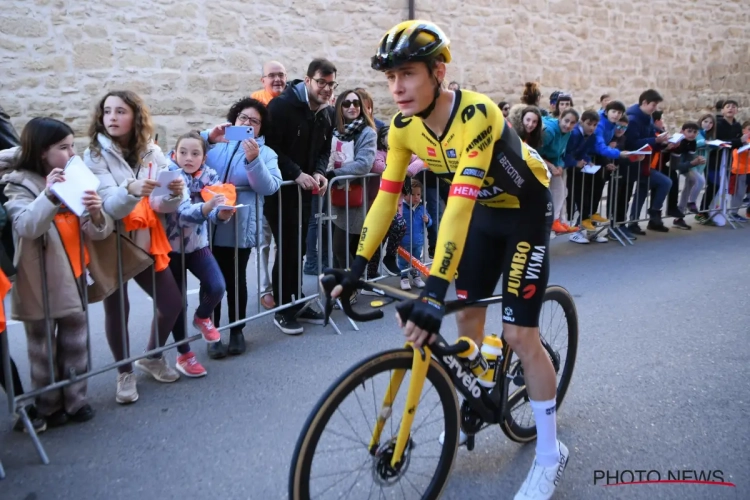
point(350, 425)
point(331, 431)
point(348, 473)
point(363, 412)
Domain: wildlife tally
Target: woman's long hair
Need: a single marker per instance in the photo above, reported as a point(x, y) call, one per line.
point(36, 138)
point(531, 94)
point(533, 139)
point(143, 127)
point(340, 121)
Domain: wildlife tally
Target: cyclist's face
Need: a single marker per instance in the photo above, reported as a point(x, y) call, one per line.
point(412, 87)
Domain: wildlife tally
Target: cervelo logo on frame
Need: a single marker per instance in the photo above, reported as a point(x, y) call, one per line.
point(465, 376)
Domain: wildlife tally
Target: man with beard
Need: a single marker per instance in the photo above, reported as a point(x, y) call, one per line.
point(300, 133)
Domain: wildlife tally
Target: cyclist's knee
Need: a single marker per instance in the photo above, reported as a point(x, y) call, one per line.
point(470, 322)
point(522, 339)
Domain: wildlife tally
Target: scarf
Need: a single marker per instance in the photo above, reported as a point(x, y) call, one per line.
point(68, 226)
point(144, 217)
point(350, 130)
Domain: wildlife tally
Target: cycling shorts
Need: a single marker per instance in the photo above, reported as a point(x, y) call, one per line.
point(512, 243)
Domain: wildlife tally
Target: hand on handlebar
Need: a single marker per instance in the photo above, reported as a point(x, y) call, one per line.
point(420, 319)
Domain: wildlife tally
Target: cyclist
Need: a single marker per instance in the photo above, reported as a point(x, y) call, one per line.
point(497, 220)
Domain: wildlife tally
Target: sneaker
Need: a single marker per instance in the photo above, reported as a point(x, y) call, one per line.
point(559, 228)
point(210, 334)
point(126, 388)
point(588, 225)
point(310, 315)
point(84, 414)
point(636, 229)
point(37, 421)
point(600, 239)
point(462, 437)
point(579, 238)
point(676, 213)
point(405, 284)
point(418, 281)
point(391, 266)
point(217, 350)
point(189, 366)
point(57, 419)
point(571, 229)
point(541, 482)
point(159, 369)
point(287, 325)
point(692, 208)
point(599, 219)
point(680, 224)
point(737, 217)
point(657, 226)
point(701, 218)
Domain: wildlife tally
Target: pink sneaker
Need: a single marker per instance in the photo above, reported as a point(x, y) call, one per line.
point(189, 366)
point(207, 329)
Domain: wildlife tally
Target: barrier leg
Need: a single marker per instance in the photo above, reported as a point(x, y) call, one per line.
point(32, 434)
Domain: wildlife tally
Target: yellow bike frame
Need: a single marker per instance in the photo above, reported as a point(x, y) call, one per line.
point(419, 368)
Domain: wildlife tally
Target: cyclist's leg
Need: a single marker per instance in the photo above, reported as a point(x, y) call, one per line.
point(480, 268)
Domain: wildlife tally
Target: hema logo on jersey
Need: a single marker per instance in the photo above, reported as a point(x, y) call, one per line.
point(464, 191)
point(431, 152)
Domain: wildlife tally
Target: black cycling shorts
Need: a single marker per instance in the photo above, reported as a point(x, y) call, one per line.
point(512, 243)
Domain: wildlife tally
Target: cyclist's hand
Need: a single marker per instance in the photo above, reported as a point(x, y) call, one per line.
point(347, 283)
point(423, 317)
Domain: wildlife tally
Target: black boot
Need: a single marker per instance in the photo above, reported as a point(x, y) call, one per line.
point(236, 343)
point(217, 350)
point(655, 223)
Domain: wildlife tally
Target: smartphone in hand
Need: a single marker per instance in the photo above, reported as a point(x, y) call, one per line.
point(239, 133)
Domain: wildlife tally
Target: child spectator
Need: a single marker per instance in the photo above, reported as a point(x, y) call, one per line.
point(416, 218)
point(686, 161)
point(527, 122)
point(555, 136)
point(738, 179)
point(626, 175)
point(127, 161)
point(48, 245)
point(397, 228)
point(603, 101)
point(187, 230)
point(562, 102)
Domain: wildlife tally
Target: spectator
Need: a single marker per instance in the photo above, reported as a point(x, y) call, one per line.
point(187, 230)
point(627, 172)
point(562, 102)
point(274, 83)
point(417, 219)
point(641, 132)
point(738, 178)
point(273, 80)
point(685, 160)
point(454, 86)
point(8, 139)
point(44, 229)
point(352, 153)
point(126, 160)
point(527, 122)
point(553, 102)
point(397, 228)
point(603, 101)
point(252, 167)
point(504, 107)
point(555, 136)
point(369, 106)
point(660, 161)
point(532, 95)
point(8, 136)
point(300, 132)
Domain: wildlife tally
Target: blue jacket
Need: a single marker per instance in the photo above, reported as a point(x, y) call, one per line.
point(189, 220)
point(414, 226)
point(554, 141)
point(641, 130)
point(253, 181)
point(578, 147)
point(605, 132)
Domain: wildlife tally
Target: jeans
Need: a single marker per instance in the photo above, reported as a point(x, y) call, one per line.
point(659, 184)
point(311, 252)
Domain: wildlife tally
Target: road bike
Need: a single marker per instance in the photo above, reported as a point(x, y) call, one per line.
point(386, 458)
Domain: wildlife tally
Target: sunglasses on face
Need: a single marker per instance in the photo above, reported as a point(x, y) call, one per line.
point(348, 103)
point(621, 127)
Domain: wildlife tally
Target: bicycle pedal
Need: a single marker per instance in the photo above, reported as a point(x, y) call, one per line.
point(470, 443)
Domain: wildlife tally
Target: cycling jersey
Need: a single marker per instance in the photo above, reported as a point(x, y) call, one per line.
point(482, 159)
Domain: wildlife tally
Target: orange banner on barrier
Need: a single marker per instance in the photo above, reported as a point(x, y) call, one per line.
point(4, 289)
point(415, 263)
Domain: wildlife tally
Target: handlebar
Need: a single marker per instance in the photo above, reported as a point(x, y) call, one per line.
point(329, 282)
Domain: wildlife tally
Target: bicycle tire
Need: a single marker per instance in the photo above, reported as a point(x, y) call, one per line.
point(510, 427)
point(384, 361)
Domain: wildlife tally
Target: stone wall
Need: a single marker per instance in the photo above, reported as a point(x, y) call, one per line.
point(191, 58)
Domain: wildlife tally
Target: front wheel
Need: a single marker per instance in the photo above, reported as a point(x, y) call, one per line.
point(558, 329)
point(333, 458)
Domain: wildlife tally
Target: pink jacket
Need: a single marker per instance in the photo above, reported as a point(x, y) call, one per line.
point(415, 166)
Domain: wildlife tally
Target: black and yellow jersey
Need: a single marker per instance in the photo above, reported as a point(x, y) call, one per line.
point(482, 158)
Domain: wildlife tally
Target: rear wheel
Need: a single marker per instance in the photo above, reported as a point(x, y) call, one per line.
point(558, 329)
point(332, 458)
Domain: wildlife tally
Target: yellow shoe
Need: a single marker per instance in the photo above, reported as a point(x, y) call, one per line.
point(598, 218)
point(587, 225)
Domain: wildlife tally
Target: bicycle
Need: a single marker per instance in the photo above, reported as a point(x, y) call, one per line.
point(389, 460)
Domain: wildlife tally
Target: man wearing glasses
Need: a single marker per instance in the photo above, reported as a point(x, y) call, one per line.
point(273, 80)
point(300, 133)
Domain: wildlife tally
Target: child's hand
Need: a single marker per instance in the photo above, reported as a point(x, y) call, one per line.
point(93, 203)
point(176, 186)
point(425, 219)
point(142, 188)
point(225, 214)
point(581, 164)
point(698, 161)
point(56, 175)
point(214, 202)
point(611, 167)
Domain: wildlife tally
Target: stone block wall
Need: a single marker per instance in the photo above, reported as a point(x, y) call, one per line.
point(191, 59)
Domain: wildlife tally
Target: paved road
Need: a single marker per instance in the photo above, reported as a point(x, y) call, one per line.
point(660, 384)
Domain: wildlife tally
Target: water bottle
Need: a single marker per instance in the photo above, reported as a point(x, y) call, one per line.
point(477, 363)
point(492, 352)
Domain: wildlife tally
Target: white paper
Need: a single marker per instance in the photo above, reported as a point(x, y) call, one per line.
point(718, 143)
point(743, 148)
point(78, 179)
point(229, 207)
point(164, 178)
point(676, 138)
point(591, 169)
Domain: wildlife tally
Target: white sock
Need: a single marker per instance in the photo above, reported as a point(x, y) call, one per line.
point(547, 451)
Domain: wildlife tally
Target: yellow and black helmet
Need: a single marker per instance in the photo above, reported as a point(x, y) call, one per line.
point(411, 41)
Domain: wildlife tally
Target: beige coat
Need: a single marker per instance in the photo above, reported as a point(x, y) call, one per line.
point(39, 249)
point(116, 175)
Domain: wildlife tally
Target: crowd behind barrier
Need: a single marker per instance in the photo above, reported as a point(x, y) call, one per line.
point(300, 188)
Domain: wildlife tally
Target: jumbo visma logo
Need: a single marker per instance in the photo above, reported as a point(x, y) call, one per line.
point(525, 266)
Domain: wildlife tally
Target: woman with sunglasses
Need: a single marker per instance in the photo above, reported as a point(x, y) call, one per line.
point(353, 151)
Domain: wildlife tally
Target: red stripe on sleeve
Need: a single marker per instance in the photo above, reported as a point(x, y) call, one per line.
point(464, 190)
point(390, 186)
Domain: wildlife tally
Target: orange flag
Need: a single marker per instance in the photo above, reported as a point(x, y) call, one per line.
point(4, 289)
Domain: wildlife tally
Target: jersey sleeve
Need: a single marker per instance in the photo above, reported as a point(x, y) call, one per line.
point(380, 215)
point(473, 166)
